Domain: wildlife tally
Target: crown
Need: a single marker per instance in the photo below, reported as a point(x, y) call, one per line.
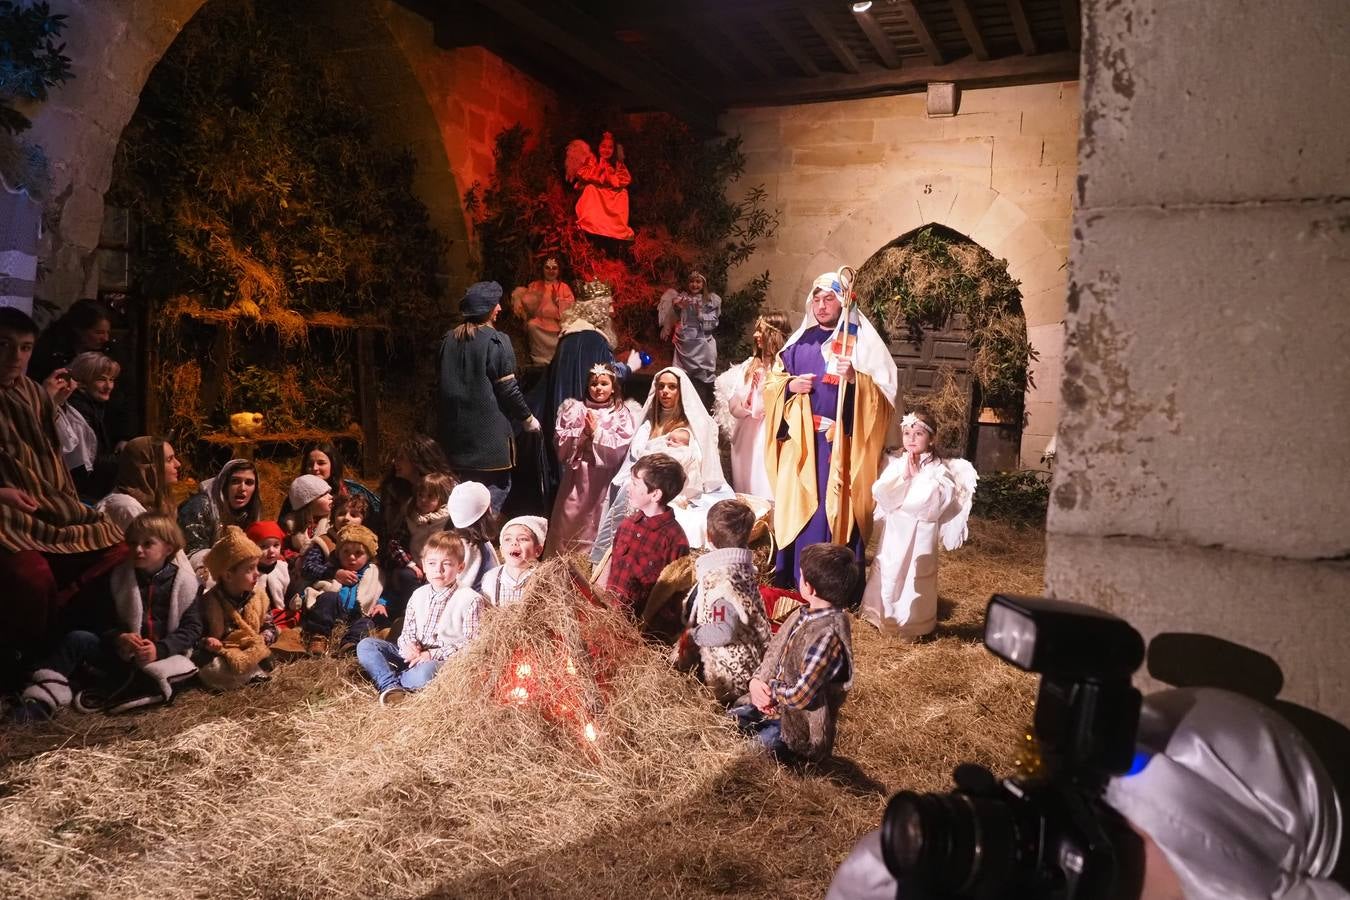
point(602, 369)
point(595, 289)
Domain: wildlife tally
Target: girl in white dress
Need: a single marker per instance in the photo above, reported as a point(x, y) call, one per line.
point(739, 407)
point(920, 497)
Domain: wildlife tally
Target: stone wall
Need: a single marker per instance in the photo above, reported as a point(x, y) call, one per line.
point(851, 176)
point(445, 105)
point(1201, 484)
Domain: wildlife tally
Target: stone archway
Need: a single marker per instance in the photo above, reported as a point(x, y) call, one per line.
point(1003, 228)
point(114, 46)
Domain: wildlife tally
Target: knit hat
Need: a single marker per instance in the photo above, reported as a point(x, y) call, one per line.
point(233, 547)
point(306, 489)
point(537, 525)
point(362, 535)
point(468, 501)
point(261, 531)
point(480, 299)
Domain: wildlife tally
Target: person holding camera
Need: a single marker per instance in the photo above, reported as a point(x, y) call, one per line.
point(1193, 793)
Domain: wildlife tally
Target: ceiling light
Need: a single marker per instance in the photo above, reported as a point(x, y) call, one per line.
point(862, 6)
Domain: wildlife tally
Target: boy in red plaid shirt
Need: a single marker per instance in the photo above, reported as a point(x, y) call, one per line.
point(647, 541)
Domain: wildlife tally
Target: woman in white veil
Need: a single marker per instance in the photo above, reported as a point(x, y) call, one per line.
point(684, 430)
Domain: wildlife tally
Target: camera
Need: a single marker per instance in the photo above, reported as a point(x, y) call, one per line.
point(1046, 833)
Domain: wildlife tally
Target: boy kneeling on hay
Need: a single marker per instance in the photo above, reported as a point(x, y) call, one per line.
point(807, 671)
point(441, 619)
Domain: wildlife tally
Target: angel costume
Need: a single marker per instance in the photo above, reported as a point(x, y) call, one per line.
point(542, 305)
point(692, 325)
point(588, 463)
point(704, 482)
point(739, 408)
point(602, 207)
point(901, 593)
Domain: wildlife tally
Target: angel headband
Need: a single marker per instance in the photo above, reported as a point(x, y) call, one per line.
point(602, 369)
point(911, 419)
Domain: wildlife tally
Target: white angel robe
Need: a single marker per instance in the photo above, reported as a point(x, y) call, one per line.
point(901, 593)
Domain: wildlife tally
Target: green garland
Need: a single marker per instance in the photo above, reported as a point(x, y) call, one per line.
point(921, 283)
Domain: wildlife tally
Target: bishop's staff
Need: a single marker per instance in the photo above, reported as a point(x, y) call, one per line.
point(842, 346)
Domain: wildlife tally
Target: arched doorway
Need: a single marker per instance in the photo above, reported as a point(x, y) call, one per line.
point(953, 317)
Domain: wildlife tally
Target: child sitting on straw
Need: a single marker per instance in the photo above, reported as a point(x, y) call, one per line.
point(442, 618)
point(358, 604)
point(522, 539)
point(727, 625)
point(236, 629)
point(807, 671)
point(474, 524)
point(647, 541)
point(319, 562)
point(157, 623)
point(921, 497)
point(273, 574)
point(311, 502)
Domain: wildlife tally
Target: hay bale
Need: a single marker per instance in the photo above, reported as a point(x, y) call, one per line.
point(304, 787)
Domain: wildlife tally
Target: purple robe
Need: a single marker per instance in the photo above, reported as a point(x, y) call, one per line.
point(804, 357)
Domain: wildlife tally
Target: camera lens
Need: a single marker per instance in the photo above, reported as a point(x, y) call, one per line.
point(951, 843)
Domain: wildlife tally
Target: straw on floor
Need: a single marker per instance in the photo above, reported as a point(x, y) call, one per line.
point(304, 787)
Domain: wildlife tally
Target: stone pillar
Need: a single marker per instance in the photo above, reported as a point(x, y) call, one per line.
point(1202, 482)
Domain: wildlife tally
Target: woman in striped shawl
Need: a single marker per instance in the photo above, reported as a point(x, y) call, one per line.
point(51, 544)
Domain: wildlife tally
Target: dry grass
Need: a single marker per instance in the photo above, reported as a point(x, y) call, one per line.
point(305, 788)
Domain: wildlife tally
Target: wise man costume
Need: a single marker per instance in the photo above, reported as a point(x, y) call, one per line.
point(821, 470)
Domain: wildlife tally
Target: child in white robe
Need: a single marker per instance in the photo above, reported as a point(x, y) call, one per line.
point(920, 497)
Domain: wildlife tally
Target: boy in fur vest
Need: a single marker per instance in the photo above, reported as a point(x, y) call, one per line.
point(358, 603)
point(807, 671)
point(728, 629)
point(236, 628)
point(155, 625)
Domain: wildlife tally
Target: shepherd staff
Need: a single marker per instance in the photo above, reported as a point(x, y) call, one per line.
point(821, 440)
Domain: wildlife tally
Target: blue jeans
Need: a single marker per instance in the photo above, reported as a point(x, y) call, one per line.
point(381, 661)
point(752, 722)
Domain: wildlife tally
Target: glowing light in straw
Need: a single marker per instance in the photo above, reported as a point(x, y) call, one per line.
point(590, 733)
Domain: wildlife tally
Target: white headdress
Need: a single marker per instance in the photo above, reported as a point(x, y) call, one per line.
point(871, 356)
point(701, 425)
point(911, 419)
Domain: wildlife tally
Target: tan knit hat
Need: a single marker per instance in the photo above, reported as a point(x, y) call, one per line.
point(232, 548)
point(362, 535)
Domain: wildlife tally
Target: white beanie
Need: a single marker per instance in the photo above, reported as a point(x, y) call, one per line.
point(306, 489)
point(537, 526)
point(468, 501)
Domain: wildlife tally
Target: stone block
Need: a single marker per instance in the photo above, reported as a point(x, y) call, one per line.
point(1060, 150)
point(998, 221)
point(1201, 341)
point(907, 129)
point(972, 202)
point(1146, 88)
point(1284, 609)
point(1032, 449)
point(1036, 181)
point(829, 131)
point(1047, 307)
point(1016, 152)
point(935, 199)
point(756, 135)
point(1001, 99)
point(1049, 120)
point(973, 153)
point(1042, 413)
point(761, 163)
point(1006, 123)
point(839, 156)
point(1048, 342)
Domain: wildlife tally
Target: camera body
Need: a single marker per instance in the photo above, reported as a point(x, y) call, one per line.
point(1046, 833)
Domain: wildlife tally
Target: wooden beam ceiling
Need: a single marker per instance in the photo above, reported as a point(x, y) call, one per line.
point(1022, 26)
point(790, 45)
point(1073, 22)
point(816, 19)
point(921, 31)
point(970, 28)
point(890, 57)
point(571, 32)
point(967, 72)
point(732, 32)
